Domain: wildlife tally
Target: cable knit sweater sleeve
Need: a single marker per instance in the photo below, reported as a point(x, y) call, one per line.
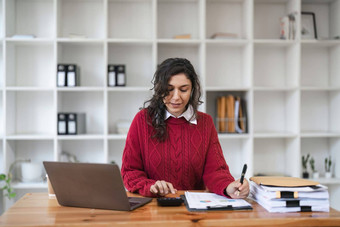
point(134, 177)
point(216, 174)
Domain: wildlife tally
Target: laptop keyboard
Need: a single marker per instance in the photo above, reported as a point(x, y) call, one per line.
point(132, 203)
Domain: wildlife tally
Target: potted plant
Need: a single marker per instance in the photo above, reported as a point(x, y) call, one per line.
point(6, 179)
point(312, 166)
point(7, 188)
point(305, 173)
point(328, 165)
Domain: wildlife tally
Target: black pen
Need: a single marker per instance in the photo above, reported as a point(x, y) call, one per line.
point(244, 170)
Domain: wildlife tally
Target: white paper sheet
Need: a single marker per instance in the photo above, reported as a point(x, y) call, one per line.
point(201, 200)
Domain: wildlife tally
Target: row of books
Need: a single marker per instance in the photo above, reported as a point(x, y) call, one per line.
point(289, 194)
point(231, 114)
point(288, 26)
point(68, 75)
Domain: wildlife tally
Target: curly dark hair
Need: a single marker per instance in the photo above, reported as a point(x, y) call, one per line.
point(156, 108)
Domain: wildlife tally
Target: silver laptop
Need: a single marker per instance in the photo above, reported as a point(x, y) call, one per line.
point(91, 185)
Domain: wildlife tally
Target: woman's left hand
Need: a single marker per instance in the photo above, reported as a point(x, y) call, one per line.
point(236, 190)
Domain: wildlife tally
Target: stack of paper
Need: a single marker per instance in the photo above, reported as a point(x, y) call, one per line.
point(200, 201)
point(288, 194)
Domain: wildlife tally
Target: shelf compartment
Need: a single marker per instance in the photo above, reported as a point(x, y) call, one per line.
point(276, 112)
point(129, 89)
point(2, 82)
point(31, 17)
point(1, 116)
point(137, 16)
point(89, 57)
point(73, 19)
point(135, 100)
point(281, 156)
point(116, 149)
point(226, 66)
point(117, 136)
point(211, 107)
point(137, 58)
point(1, 20)
point(319, 149)
point(178, 50)
point(90, 103)
point(30, 137)
point(30, 186)
point(186, 23)
point(267, 16)
point(2, 157)
point(320, 112)
point(326, 17)
point(80, 89)
point(313, 134)
point(30, 65)
point(327, 57)
point(30, 113)
point(91, 151)
point(228, 17)
point(81, 137)
point(275, 135)
point(36, 151)
point(237, 154)
point(276, 66)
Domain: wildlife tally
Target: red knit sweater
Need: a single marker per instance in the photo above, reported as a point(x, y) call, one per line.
point(191, 157)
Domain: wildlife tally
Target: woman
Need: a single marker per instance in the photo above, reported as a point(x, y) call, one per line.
point(171, 146)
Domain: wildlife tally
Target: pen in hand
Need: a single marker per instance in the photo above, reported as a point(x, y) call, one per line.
point(244, 170)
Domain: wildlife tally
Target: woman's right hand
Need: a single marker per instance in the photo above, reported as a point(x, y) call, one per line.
point(162, 188)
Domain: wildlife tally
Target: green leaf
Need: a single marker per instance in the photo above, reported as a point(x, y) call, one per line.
point(2, 177)
point(12, 195)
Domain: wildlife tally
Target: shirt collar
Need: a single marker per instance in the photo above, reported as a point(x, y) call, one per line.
point(186, 114)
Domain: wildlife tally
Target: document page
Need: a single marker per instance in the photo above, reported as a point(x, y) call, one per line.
point(201, 200)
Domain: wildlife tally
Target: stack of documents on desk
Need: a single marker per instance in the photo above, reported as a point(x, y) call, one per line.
point(200, 201)
point(289, 194)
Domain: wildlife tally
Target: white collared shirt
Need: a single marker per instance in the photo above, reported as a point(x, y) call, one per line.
point(186, 114)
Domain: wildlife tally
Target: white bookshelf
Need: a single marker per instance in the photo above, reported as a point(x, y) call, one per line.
point(291, 87)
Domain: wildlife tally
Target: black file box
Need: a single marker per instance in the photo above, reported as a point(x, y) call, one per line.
point(116, 75)
point(72, 75)
point(121, 76)
point(61, 75)
point(62, 124)
point(76, 123)
point(111, 76)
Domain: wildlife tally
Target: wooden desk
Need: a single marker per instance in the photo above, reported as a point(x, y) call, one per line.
point(38, 209)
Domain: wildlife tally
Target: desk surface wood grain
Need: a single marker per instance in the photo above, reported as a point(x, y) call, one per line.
point(37, 209)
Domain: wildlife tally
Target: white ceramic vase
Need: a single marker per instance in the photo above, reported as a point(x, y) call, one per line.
point(328, 174)
point(31, 172)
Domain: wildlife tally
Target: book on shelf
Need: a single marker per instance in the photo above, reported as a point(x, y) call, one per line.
point(224, 35)
point(231, 114)
point(288, 26)
point(183, 36)
point(289, 194)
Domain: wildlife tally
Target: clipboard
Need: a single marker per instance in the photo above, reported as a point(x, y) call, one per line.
point(224, 208)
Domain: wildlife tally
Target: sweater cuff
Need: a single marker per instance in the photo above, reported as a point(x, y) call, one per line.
point(146, 190)
point(222, 190)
